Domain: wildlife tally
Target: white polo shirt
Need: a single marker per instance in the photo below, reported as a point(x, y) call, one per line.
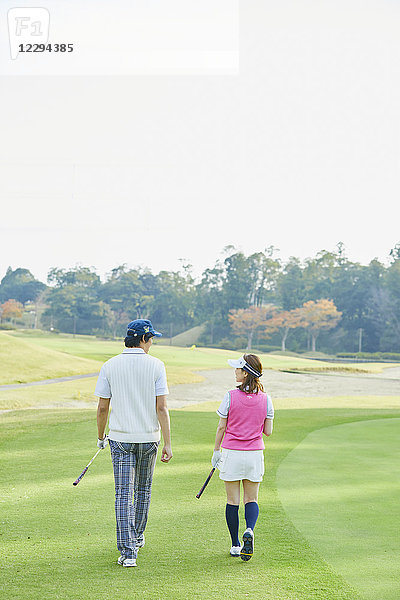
point(132, 380)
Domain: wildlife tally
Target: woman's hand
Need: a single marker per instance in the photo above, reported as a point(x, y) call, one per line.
point(216, 458)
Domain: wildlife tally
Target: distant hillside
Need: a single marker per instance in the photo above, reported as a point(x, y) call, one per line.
point(21, 362)
point(186, 338)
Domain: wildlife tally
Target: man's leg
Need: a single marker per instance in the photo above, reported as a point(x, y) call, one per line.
point(146, 455)
point(124, 462)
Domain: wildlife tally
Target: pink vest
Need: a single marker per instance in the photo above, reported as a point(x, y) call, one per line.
point(245, 424)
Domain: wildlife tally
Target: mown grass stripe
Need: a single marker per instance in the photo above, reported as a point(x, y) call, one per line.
point(340, 487)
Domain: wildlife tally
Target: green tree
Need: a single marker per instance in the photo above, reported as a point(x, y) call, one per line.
point(129, 294)
point(319, 275)
point(352, 293)
point(395, 253)
point(235, 281)
point(20, 285)
point(262, 276)
point(83, 277)
point(173, 309)
point(291, 285)
point(386, 304)
point(73, 302)
point(208, 301)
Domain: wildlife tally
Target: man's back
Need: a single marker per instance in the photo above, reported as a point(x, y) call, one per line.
point(132, 380)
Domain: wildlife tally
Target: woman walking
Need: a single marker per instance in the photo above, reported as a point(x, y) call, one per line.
point(246, 413)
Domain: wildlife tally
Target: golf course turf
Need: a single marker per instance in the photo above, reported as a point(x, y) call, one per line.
point(340, 487)
point(58, 541)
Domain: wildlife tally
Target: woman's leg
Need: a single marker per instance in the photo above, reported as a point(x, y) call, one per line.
point(250, 499)
point(232, 492)
point(232, 509)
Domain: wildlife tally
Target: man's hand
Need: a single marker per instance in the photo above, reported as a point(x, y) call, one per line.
point(102, 443)
point(216, 458)
point(166, 454)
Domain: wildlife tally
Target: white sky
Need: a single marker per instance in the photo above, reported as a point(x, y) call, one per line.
point(299, 150)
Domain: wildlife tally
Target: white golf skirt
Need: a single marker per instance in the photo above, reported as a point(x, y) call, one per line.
point(236, 465)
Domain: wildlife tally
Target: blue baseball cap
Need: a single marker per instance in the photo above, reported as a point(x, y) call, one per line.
point(141, 327)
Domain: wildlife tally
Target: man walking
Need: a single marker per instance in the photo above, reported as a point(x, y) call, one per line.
point(135, 385)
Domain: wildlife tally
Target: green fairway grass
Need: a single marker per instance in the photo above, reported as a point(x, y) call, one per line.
point(58, 541)
point(21, 362)
point(340, 487)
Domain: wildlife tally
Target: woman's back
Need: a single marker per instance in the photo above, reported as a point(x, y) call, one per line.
point(245, 423)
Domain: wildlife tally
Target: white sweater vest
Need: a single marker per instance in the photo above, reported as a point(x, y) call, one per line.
point(132, 378)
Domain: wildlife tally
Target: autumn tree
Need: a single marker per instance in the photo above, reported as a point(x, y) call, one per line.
point(284, 321)
point(10, 310)
point(319, 315)
point(246, 321)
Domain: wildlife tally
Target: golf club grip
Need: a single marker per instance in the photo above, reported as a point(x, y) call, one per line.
point(80, 476)
point(203, 487)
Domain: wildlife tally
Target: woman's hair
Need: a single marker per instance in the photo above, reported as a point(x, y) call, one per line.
point(133, 341)
point(252, 384)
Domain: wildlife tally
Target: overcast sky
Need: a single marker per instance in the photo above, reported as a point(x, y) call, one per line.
point(297, 148)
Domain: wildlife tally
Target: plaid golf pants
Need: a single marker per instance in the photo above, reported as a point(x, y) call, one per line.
point(133, 466)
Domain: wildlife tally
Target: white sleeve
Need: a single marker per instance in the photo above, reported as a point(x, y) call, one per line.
point(270, 408)
point(161, 382)
point(103, 389)
point(223, 408)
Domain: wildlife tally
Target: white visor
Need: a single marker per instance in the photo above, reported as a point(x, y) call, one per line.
point(237, 364)
point(240, 363)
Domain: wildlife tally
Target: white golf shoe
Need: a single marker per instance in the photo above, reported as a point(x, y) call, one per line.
point(235, 551)
point(121, 559)
point(129, 562)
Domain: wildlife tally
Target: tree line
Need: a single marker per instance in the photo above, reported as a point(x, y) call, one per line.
point(361, 302)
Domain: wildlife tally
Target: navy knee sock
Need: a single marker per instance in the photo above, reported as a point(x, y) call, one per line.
point(232, 520)
point(251, 514)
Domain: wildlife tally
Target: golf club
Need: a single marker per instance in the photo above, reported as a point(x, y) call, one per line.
point(203, 487)
point(86, 468)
